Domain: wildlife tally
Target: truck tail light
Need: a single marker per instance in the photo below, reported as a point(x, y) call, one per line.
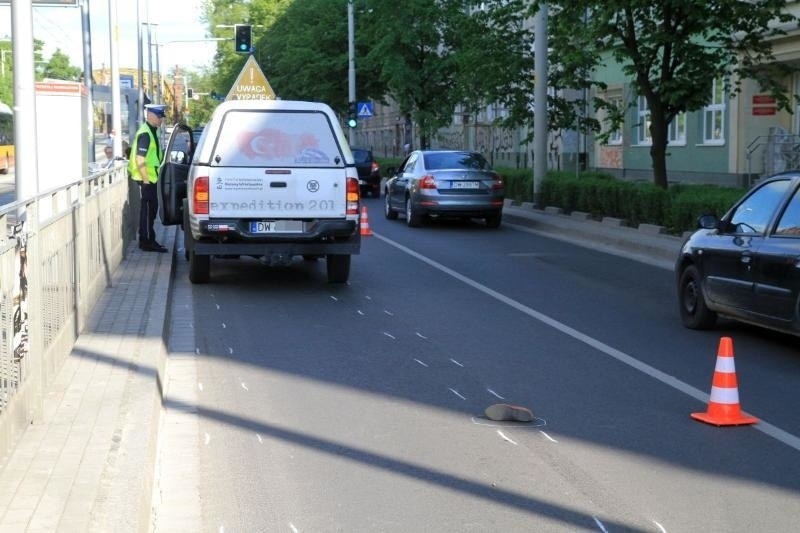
point(427, 182)
point(352, 196)
point(200, 195)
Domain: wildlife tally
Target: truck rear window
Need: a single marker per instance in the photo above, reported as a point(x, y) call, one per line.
point(276, 139)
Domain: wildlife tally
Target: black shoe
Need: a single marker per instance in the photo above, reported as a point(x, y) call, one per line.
point(152, 247)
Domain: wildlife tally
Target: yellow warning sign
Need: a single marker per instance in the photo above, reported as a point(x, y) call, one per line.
point(251, 84)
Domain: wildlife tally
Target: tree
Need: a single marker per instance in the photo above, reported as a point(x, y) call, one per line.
point(59, 68)
point(672, 51)
point(306, 52)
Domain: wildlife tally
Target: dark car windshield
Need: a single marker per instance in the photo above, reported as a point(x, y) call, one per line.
point(361, 156)
point(456, 160)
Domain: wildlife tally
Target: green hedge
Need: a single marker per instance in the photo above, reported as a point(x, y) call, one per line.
point(677, 208)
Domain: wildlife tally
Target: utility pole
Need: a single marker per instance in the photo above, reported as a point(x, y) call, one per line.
point(116, 102)
point(351, 71)
point(26, 167)
point(540, 102)
point(87, 78)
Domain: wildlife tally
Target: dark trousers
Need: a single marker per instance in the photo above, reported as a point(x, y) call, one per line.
point(147, 212)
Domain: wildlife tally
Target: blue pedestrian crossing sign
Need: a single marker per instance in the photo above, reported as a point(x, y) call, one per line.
point(364, 109)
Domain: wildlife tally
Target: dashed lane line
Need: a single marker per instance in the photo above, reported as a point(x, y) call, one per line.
point(775, 432)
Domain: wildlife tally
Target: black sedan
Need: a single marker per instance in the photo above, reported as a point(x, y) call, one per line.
point(746, 266)
point(369, 172)
point(445, 183)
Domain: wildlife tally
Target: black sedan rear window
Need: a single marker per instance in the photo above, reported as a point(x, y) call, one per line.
point(456, 161)
point(361, 156)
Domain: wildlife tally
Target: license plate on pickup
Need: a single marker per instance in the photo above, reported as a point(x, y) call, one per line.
point(276, 226)
point(465, 185)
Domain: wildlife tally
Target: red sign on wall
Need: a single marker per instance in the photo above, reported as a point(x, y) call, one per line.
point(763, 99)
point(764, 110)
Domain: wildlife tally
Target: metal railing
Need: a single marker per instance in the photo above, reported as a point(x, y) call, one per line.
point(54, 266)
point(775, 152)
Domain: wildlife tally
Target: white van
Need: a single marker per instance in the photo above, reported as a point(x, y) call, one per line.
point(272, 179)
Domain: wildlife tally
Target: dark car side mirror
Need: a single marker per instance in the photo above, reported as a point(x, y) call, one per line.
point(708, 222)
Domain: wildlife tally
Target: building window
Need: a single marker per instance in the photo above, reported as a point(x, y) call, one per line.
point(676, 133)
point(615, 137)
point(714, 115)
point(643, 115)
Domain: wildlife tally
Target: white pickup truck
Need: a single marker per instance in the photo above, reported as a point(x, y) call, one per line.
point(271, 179)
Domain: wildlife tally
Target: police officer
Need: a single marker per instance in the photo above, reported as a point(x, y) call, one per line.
point(146, 157)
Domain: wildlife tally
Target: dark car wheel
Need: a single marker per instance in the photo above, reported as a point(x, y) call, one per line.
point(413, 219)
point(388, 212)
point(695, 314)
point(493, 221)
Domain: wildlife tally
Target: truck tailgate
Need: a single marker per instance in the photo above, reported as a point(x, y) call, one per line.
point(239, 192)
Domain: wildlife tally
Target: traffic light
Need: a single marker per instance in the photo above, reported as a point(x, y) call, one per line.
point(243, 38)
point(352, 115)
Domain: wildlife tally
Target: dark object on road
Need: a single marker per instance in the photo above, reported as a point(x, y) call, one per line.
point(746, 265)
point(445, 183)
point(505, 412)
point(369, 172)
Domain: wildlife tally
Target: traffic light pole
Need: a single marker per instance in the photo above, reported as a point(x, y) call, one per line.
point(351, 71)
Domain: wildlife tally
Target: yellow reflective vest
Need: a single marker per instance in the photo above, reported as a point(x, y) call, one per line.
point(151, 159)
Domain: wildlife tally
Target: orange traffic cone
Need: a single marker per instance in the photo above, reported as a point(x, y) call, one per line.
point(723, 405)
point(365, 221)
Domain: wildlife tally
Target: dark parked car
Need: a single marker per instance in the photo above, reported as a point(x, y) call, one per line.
point(746, 266)
point(369, 172)
point(445, 183)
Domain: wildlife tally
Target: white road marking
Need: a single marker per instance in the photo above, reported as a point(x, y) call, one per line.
point(420, 362)
point(334, 298)
point(660, 527)
point(493, 393)
point(388, 312)
point(389, 335)
point(456, 363)
point(457, 394)
point(197, 351)
point(360, 312)
point(200, 385)
point(294, 529)
point(600, 525)
point(368, 297)
point(506, 438)
point(207, 438)
point(421, 336)
point(260, 440)
point(244, 386)
point(548, 437)
point(230, 350)
point(217, 306)
point(775, 432)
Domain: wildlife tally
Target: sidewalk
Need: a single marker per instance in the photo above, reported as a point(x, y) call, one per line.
point(87, 466)
point(645, 244)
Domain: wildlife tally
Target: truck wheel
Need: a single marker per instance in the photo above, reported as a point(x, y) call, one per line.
point(199, 268)
point(199, 265)
point(187, 232)
point(338, 268)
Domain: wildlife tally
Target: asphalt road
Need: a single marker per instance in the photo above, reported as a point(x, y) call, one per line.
point(295, 405)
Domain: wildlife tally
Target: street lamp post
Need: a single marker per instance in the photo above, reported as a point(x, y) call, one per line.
point(351, 71)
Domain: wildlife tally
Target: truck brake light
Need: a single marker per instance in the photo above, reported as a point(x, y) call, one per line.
point(352, 196)
point(200, 195)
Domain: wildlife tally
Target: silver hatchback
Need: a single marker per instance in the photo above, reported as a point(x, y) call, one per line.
point(445, 183)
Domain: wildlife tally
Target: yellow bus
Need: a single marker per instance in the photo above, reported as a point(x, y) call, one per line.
point(6, 138)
